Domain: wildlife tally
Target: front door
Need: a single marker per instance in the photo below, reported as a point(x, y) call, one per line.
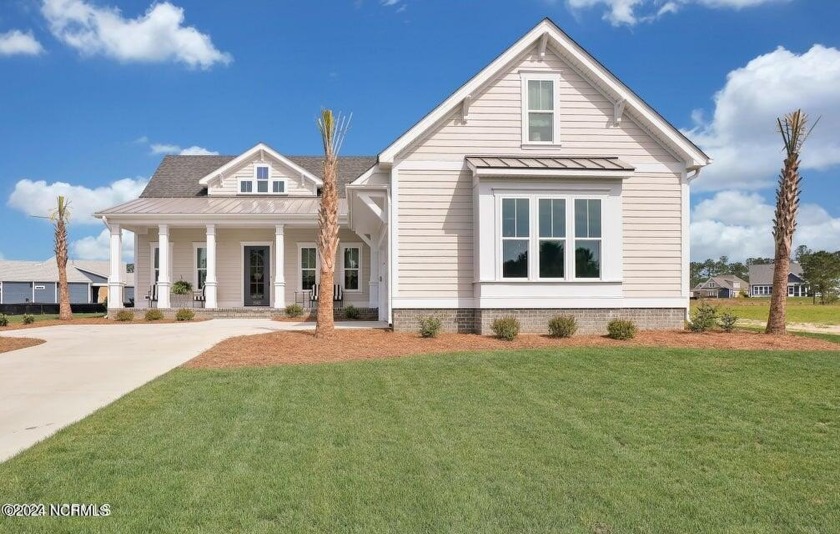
point(257, 276)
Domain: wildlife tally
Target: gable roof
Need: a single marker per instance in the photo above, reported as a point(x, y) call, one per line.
point(47, 271)
point(180, 176)
point(262, 149)
point(725, 281)
point(762, 275)
point(542, 35)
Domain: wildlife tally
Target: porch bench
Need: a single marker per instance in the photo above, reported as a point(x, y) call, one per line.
point(338, 295)
point(152, 296)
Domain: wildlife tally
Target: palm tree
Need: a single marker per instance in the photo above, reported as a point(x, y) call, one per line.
point(59, 217)
point(333, 129)
point(792, 129)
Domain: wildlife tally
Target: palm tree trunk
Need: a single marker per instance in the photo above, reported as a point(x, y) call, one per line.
point(327, 246)
point(60, 218)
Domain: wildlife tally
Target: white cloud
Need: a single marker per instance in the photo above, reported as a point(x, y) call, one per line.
point(739, 225)
point(390, 2)
point(157, 36)
point(38, 198)
point(98, 247)
point(631, 12)
point(742, 136)
point(15, 42)
point(160, 148)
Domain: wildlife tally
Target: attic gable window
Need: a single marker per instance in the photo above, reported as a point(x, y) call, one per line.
point(540, 124)
point(262, 183)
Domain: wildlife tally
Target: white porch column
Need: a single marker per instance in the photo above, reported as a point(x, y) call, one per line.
point(164, 283)
point(115, 282)
point(373, 299)
point(279, 274)
point(210, 284)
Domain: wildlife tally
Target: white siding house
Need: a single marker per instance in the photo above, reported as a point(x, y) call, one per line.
point(541, 185)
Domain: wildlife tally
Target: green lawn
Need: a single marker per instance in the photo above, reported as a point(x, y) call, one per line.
point(17, 319)
point(799, 309)
point(582, 440)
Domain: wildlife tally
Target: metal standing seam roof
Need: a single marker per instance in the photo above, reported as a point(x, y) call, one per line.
point(570, 163)
point(307, 206)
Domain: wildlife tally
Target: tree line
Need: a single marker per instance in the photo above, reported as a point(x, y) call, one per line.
point(820, 269)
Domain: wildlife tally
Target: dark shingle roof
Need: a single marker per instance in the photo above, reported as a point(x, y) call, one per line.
point(178, 176)
point(761, 275)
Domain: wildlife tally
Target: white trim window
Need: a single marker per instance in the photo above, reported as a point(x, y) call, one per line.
point(307, 266)
point(154, 257)
point(540, 124)
point(552, 237)
point(262, 182)
point(588, 238)
point(351, 267)
point(542, 254)
point(200, 265)
point(516, 233)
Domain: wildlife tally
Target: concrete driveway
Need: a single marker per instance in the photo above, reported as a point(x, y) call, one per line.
point(82, 368)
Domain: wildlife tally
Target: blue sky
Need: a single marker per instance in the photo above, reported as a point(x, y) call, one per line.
point(94, 92)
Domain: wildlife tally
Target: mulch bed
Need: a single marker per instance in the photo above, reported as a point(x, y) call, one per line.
point(301, 347)
point(8, 344)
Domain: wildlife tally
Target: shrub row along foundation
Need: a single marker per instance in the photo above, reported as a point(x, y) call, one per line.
point(535, 321)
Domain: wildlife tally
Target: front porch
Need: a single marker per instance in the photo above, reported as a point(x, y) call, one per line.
point(245, 270)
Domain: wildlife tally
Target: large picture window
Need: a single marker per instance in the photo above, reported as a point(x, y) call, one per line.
point(515, 237)
point(587, 238)
point(560, 224)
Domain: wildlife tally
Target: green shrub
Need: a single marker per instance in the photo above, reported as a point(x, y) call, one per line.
point(429, 326)
point(294, 310)
point(506, 328)
point(704, 318)
point(351, 312)
point(728, 320)
point(562, 326)
point(621, 329)
point(4, 321)
point(184, 315)
point(28, 319)
point(181, 287)
point(154, 315)
point(124, 316)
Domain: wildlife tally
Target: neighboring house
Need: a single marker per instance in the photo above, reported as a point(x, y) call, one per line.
point(37, 282)
point(470, 215)
point(726, 286)
point(761, 281)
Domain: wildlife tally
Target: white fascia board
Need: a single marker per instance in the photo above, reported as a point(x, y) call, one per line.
point(551, 173)
point(248, 154)
point(531, 303)
point(224, 220)
point(694, 157)
point(365, 176)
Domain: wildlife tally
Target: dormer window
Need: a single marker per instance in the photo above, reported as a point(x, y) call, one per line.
point(262, 182)
point(540, 124)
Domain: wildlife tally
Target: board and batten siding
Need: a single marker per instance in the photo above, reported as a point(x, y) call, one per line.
point(435, 230)
point(295, 185)
point(435, 208)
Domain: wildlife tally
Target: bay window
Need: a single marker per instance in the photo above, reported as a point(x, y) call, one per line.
point(561, 222)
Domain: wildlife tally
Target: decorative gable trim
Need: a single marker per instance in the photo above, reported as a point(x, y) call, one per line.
point(544, 34)
point(262, 150)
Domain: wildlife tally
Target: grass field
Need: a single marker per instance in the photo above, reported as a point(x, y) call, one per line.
point(582, 440)
point(799, 309)
point(18, 319)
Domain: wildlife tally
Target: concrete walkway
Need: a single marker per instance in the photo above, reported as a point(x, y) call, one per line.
point(82, 368)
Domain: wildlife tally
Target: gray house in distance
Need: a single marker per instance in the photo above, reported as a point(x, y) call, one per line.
point(24, 282)
point(761, 281)
point(727, 286)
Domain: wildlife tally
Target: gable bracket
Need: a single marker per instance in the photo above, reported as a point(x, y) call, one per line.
point(618, 111)
point(542, 46)
point(465, 108)
point(368, 201)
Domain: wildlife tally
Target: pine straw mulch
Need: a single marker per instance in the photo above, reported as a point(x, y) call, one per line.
point(301, 347)
point(8, 344)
